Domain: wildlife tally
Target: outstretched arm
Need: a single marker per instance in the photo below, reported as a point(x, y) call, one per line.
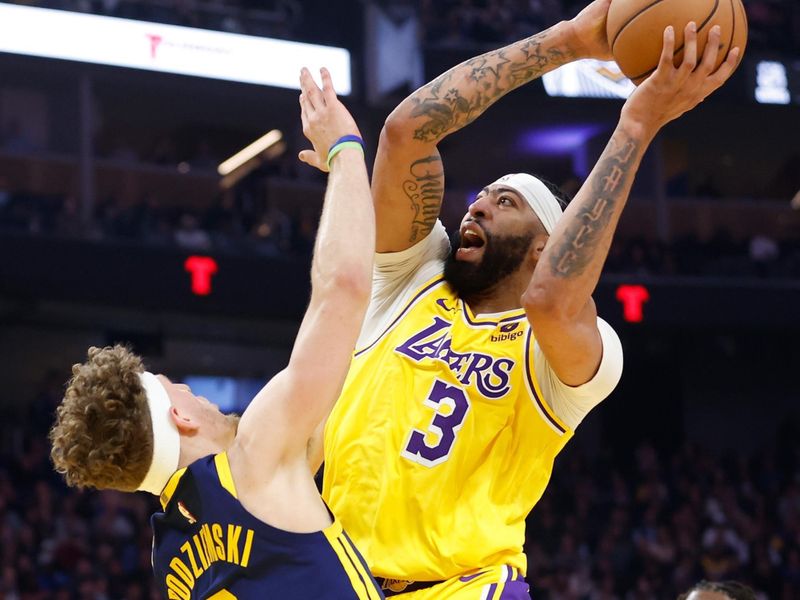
point(558, 300)
point(408, 179)
point(280, 420)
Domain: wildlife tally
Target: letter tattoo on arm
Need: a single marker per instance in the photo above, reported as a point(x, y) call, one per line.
point(425, 189)
point(579, 245)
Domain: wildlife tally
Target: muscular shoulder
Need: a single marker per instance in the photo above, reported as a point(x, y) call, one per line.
point(398, 275)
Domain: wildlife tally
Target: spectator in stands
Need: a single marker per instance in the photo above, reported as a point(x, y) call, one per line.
point(764, 252)
point(189, 235)
point(724, 590)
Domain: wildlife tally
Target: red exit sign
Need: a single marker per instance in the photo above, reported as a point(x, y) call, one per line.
point(633, 298)
point(201, 269)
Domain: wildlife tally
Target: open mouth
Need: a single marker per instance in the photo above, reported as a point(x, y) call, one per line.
point(472, 242)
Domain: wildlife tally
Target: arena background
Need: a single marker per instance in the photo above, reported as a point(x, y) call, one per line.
point(112, 211)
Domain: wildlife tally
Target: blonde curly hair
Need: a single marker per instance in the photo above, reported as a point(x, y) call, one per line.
point(103, 436)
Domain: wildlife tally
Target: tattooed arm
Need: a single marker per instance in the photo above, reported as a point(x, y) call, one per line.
point(408, 179)
point(558, 299)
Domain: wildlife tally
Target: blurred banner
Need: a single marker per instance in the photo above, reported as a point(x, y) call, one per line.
point(588, 79)
point(768, 81)
point(166, 48)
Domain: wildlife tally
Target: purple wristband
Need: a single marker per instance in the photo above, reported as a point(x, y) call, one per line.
point(347, 138)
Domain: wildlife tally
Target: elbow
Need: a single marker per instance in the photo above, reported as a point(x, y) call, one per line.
point(541, 303)
point(536, 300)
point(348, 283)
point(397, 129)
point(356, 284)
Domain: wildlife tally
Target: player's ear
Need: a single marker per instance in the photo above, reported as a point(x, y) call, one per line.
point(537, 246)
point(183, 421)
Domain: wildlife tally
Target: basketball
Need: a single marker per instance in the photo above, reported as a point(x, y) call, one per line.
point(635, 30)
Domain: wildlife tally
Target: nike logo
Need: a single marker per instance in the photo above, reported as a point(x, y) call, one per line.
point(466, 578)
point(443, 303)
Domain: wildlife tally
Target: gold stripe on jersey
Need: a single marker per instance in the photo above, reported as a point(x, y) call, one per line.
point(360, 567)
point(169, 489)
point(359, 578)
point(224, 473)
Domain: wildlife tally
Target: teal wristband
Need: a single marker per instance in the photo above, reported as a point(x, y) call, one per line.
point(336, 148)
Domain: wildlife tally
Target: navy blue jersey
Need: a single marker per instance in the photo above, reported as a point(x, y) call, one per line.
point(206, 545)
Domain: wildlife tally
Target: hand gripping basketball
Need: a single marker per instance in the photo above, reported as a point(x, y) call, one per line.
point(671, 91)
point(589, 30)
point(634, 29)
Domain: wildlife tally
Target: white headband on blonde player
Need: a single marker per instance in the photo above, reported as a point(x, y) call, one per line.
point(537, 195)
point(166, 439)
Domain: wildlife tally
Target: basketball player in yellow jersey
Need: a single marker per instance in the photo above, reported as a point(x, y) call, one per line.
point(476, 364)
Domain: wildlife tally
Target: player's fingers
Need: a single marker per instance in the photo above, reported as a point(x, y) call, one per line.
point(725, 70)
point(689, 49)
point(311, 89)
point(714, 81)
point(667, 50)
point(304, 111)
point(305, 87)
point(711, 51)
point(327, 86)
point(307, 156)
point(312, 159)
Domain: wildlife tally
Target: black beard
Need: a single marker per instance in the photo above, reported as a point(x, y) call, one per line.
point(502, 256)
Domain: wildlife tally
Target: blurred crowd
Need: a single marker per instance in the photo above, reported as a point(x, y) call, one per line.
point(719, 256)
point(61, 544)
point(774, 24)
point(604, 530)
point(246, 221)
point(234, 224)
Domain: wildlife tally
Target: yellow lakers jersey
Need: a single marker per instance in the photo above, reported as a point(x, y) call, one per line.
point(441, 442)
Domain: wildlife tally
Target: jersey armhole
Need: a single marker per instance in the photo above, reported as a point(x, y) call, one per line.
point(535, 392)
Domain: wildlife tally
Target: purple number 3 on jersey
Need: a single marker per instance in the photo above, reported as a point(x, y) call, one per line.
point(445, 425)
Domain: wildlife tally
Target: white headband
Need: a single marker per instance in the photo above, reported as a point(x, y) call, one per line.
point(537, 195)
point(166, 439)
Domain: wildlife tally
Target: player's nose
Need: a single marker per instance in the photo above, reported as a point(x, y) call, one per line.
point(479, 208)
